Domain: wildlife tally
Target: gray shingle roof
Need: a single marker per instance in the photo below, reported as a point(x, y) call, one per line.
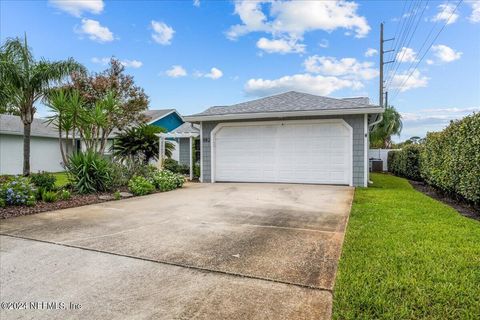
point(13, 125)
point(186, 127)
point(287, 102)
point(155, 114)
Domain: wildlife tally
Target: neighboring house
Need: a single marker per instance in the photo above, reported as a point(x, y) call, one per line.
point(291, 137)
point(44, 146)
point(45, 149)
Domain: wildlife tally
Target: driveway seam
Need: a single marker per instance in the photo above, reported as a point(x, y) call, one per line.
point(172, 263)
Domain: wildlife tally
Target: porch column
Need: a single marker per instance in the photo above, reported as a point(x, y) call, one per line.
point(161, 151)
point(191, 158)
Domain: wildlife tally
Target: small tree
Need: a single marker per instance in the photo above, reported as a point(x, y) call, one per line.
point(25, 80)
point(140, 144)
point(391, 124)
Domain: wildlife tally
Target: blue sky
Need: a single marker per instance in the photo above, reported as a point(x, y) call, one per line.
point(190, 55)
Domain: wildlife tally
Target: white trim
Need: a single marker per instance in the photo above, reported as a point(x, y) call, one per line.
point(178, 135)
point(258, 123)
point(201, 152)
point(282, 114)
point(365, 151)
point(191, 158)
point(166, 114)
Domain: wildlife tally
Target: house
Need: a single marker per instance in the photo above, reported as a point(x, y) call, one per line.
point(45, 150)
point(44, 146)
point(291, 137)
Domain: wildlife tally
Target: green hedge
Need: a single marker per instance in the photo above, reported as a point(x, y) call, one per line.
point(406, 162)
point(451, 158)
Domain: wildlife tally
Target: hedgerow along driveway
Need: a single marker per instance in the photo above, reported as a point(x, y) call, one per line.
point(209, 251)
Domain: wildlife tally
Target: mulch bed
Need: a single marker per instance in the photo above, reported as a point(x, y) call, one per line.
point(465, 209)
point(76, 200)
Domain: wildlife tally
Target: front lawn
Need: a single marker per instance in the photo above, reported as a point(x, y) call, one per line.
point(407, 256)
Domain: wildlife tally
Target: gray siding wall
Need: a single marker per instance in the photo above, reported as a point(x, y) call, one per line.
point(184, 151)
point(355, 121)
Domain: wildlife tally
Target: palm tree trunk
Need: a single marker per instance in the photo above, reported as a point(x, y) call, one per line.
point(27, 126)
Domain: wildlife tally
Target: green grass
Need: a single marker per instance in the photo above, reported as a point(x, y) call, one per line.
point(407, 256)
point(62, 179)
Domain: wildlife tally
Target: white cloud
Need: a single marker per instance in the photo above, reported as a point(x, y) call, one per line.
point(406, 55)
point(176, 71)
point(349, 68)
point(95, 31)
point(324, 43)
point(196, 3)
point(290, 20)
point(280, 46)
point(475, 15)
point(371, 52)
point(315, 84)
point(445, 53)
point(126, 63)
point(421, 121)
point(214, 74)
point(162, 33)
point(430, 61)
point(446, 13)
point(77, 7)
point(406, 82)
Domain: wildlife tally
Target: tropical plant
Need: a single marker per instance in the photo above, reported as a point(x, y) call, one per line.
point(64, 194)
point(140, 144)
point(391, 124)
point(130, 100)
point(140, 186)
point(175, 167)
point(49, 196)
point(25, 80)
point(89, 172)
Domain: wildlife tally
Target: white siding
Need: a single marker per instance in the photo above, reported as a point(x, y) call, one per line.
point(44, 154)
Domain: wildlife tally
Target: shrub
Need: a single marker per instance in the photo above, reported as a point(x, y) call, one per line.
point(140, 186)
point(2, 203)
point(166, 180)
point(18, 191)
point(117, 195)
point(49, 196)
point(175, 167)
point(451, 158)
point(406, 162)
point(89, 172)
point(44, 180)
point(64, 194)
point(391, 160)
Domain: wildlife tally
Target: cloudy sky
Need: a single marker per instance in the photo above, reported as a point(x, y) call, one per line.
point(190, 55)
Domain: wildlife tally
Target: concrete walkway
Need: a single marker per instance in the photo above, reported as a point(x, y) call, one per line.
point(208, 251)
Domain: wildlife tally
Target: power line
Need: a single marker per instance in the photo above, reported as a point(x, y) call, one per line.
point(392, 55)
point(423, 56)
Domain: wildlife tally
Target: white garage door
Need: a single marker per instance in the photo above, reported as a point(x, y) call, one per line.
point(297, 152)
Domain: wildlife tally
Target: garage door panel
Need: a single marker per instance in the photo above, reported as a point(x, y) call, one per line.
point(287, 152)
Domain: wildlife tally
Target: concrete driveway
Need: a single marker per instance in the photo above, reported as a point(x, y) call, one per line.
point(207, 251)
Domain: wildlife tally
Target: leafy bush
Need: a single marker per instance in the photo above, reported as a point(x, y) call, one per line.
point(406, 162)
point(391, 159)
point(89, 172)
point(44, 180)
point(2, 203)
point(451, 158)
point(140, 186)
point(175, 167)
point(18, 191)
point(166, 180)
point(117, 195)
point(49, 196)
point(64, 194)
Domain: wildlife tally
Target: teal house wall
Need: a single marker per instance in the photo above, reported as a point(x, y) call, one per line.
point(169, 122)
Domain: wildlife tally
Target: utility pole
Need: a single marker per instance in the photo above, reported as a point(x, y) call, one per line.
point(380, 85)
point(386, 99)
point(381, 64)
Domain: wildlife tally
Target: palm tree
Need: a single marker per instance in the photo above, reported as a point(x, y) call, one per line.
point(391, 124)
point(27, 80)
point(140, 143)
